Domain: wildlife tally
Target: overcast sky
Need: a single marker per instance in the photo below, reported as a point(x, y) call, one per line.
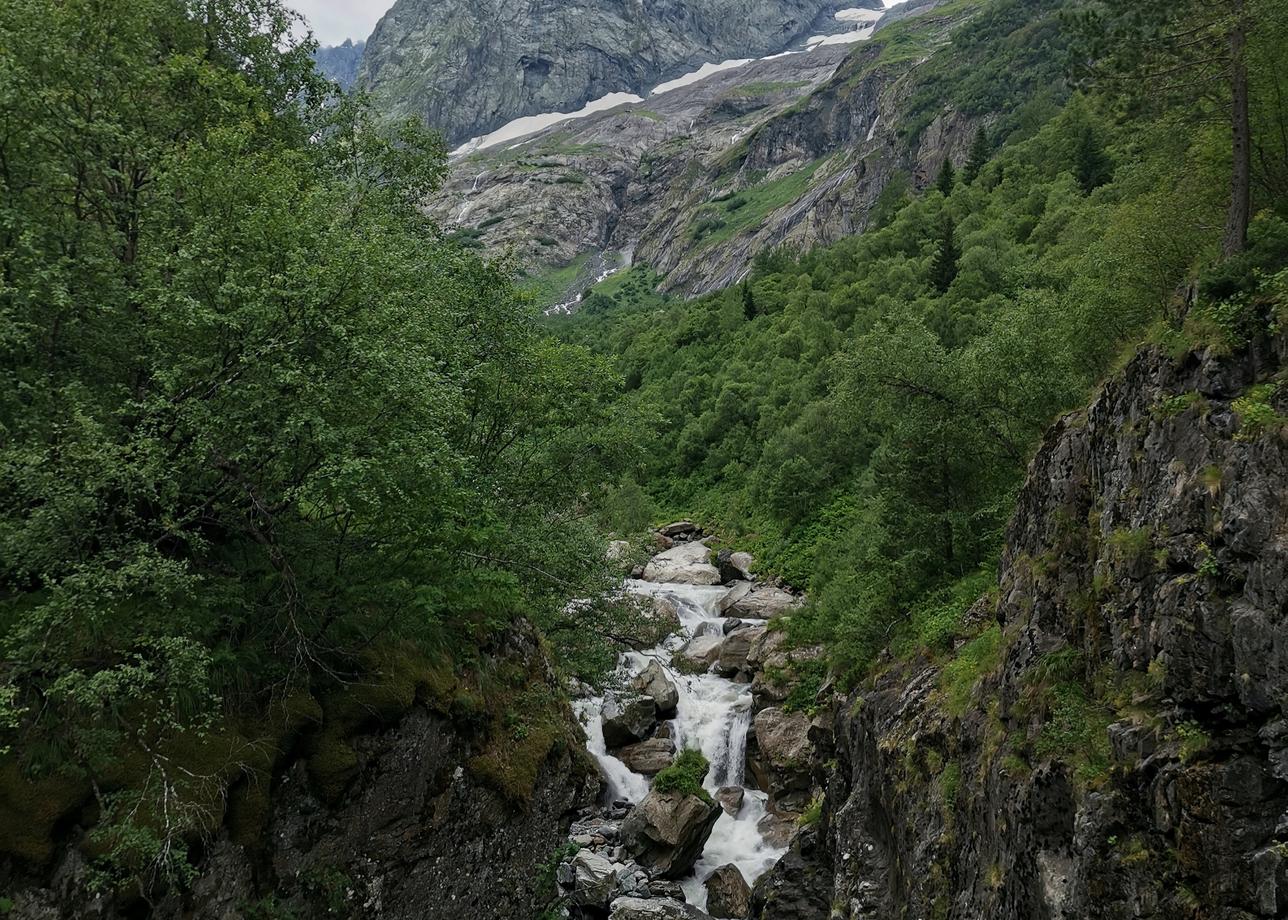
point(335, 20)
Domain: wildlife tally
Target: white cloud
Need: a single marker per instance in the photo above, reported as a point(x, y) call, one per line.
point(333, 21)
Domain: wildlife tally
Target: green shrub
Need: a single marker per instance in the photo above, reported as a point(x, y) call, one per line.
point(685, 775)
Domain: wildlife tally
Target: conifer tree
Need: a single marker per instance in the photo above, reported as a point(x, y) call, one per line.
point(1178, 52)
point(979, 153)
point(943, 270)
point(947, 178)
point(1091, 165)
point(748, 301)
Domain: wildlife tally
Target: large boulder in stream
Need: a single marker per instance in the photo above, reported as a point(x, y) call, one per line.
point(686, 564)
point(734, 651)
point(654, 683)
point(627, 721)
point(728, 894)
point(780, 757)
point(648, 757)
point(667, 831)
point(760, 602)
point(699, 653)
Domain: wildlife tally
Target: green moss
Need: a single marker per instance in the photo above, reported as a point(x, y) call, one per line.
point(685, 775)
point(719, 222)
point(813, 813)
point(977, 658)
point(30, 809)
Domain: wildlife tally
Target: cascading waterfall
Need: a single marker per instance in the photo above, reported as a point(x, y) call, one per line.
point(713, 715)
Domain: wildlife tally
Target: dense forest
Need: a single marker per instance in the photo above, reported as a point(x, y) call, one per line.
point(269, 438)
point(862, 415)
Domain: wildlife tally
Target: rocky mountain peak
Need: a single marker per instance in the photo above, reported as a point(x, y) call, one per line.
point(467, 68)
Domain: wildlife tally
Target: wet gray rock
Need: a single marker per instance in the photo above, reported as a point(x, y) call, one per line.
point(731, 798)
point(763, 602)
point(654, 683)
point(627, 721)
point(687, 563)
point(700, 652)
point(648, 757)
point(666, 832)
point(734, 650)
point(728, 894)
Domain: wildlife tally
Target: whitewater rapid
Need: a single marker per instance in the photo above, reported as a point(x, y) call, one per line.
point(714, 716)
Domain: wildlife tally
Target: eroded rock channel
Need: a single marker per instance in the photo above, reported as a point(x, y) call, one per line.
point(658, 846)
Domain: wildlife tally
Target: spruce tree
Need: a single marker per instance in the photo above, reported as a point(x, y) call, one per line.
point(979, 153)
point(947, 178)
point(944, 267)
point(1091, 165)
point(748, 301)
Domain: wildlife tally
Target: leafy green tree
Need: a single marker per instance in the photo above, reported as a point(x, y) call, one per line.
point(257, 417)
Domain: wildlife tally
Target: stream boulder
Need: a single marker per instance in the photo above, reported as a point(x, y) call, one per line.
point(781, 756)
point(735, 649)
point(762, 602)
point(648, 757)
point(728, 894)
point(731, 798)
point(699, 653)
point(654, 683)
point(666, 832)
point(687, 564)
point(594, 879)
point(627, 721)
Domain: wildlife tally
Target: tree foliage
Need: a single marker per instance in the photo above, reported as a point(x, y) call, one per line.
point(257, 417)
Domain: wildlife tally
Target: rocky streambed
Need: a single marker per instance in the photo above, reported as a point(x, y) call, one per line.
point(716, 685)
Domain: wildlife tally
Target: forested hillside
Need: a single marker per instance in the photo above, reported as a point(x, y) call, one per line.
point(337, 580)
point(862, 414)
point(264, 436)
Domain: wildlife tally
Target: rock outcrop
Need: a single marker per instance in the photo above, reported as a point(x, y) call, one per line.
point(686, 564)
point(728, 894)
point(424, 803)
point(466, 68)
point(667, 831)
point(1112, 741)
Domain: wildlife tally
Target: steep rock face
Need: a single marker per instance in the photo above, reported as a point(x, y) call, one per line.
point(793, 149)
point(407, 837)
point(1124, 750)
point(469, 67)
